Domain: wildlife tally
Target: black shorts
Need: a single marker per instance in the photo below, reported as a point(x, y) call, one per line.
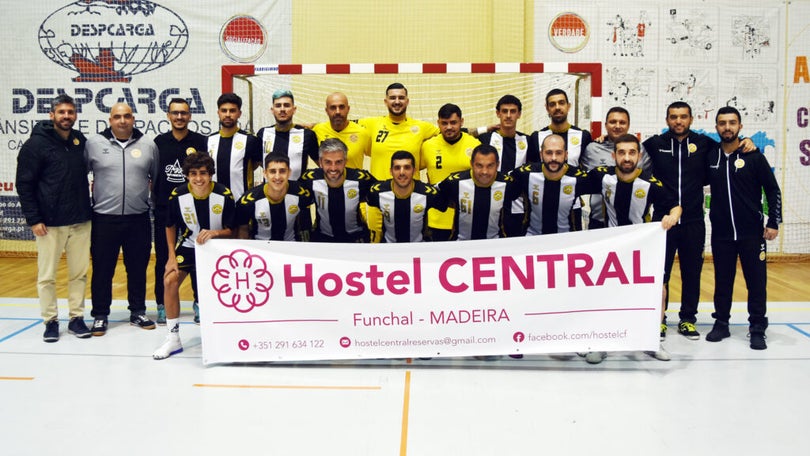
point(185, 259)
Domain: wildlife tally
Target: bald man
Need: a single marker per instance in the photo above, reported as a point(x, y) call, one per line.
point(123, 162)
point(339, 126)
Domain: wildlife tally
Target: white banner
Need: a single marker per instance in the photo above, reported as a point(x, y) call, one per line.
point(584, 291)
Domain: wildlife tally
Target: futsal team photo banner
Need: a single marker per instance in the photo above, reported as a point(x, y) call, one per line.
point(573, 292)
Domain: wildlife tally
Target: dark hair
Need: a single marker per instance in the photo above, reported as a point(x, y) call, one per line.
point(553, 92)
point(403, 155)
point(509, 99)
point(617, 109)
point(198, 160)
point(395, 85)
point(276, 158)
point(447, 111)
point(485, 149)
point(728, 110)
point(625, 139)
point(679, 105)
point(332, 145)
point(62, 98)
point(229, 98)
point(179, 100)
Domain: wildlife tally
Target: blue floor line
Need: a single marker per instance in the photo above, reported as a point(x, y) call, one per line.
point(38, 321)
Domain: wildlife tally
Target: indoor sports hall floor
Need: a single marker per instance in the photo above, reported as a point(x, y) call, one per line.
point(105, 395)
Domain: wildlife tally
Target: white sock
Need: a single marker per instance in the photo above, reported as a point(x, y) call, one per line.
point(173, 324)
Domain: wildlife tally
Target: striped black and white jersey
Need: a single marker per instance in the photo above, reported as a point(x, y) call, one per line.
point(628, 202)
point(478, 210)
point(337, 209)
point(404, 219)
point(236, 158)
point(191, 214)
point(274, 220)
point(298, 144)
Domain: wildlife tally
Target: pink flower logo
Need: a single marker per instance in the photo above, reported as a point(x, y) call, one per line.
point(242, 281)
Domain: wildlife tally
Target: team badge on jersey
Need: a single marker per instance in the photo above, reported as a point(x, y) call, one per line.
point(293, 209)
point(418, 209)
point(191, 150)
point(761, 256)
point(640, 194)
point(739, 163)
point(239, 145)
point(217, 209)
point(180, 259)
point(568, 189)
point(296, 139)
point(692, 148)
point(352, 194)
point(353, 138)
point(136, 153)
point(521, 145)
point(75, 141)
point(414, 129)
point(497, 196)
point(575, 141)
point(608, 192)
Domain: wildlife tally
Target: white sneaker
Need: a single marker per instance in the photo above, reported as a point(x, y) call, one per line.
point(595, 357)
point(661, 355)
point(171, 346)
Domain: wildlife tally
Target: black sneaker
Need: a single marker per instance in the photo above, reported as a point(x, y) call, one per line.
point(719, 332)
point(141, 321)
point(51, 331)
point(99, 327)
point(688, 330)
point(757, 340)
point(78, 328)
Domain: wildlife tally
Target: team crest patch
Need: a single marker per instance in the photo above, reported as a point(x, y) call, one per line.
point(352, 194)
point(296, 139)
point(692, 148)
point(608, 192)
point(761, 256)
point(136, 153)
point(180, 259)
point(217, 209)
point(640, 194)
point(568, 189)
point(414, 129)
point(497, 196)
point(239, 145)
point(575, 141)
point(293, 209)
point(468, 152)
point(191, 150)
point(739, 163)
point(521, 145)
point(75, 141)
point(353, 138)
point(418, 209)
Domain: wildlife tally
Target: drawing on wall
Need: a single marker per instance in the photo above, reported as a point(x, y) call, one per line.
point(752, 34)
point(631, 88)
point(750, 94)
point(696, 86)
point(692, 32)
point(627, 36)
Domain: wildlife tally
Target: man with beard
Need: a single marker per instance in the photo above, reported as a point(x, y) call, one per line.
point(679, 161)
point(124, 163)
point(354, 136)
point(739, 228)
point(236, 153)
point(173, 147)
point(628, 193)
point(444, 155)
point(402, 202)
point(597, 154)
point(272, 211)
point(52, 183)
point(575, 140)
point(338, 192)
point(550, 188)
point(287, 138)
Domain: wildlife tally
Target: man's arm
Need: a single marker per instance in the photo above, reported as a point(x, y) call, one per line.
point(671, 219)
